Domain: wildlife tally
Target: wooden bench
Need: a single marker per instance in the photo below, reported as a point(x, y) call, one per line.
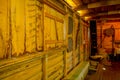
point(79, 72)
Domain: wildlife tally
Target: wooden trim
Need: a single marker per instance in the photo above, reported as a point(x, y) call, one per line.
point(98, 4)
point(53, 41)
point(84, 23)
point(54, 17)
point(54, 7)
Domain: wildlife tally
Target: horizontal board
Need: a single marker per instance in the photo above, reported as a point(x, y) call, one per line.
point(55, 75)
point(57, 54)
point(55, 61)
point(11, 69)
point(23, 75)
point(37, 76)
point(54, 68)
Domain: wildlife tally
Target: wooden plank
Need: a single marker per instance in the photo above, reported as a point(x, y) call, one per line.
point(37, 76)
point(54, 7)
point(18, 67)
point(53, 41)
point(53, 17)
point(78, 72)
point(55, 61)
point(54, 68)
point(30, 26)
point(98, 4)
point(55, 75)
point(50, 57)
point(39, 24)
point(23, 75)
point(45, 61)
point(65, 62)
point(4, 30)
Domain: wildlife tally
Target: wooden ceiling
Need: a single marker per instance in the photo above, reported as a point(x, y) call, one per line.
point(98, 9)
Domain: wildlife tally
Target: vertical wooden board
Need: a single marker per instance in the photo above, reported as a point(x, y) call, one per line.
point(53, 11)
point(30, 26)
point(39, 25)
point(47, 33)
point(59, 30)
point(69, 61)
point(14, 29)
point(53, 30)
point(46, 8)
point(20, 25)
point(4, 28)
point(47, 28)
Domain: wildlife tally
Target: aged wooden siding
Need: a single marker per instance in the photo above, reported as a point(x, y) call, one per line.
point(39, 40)
point(17, 27)
point(53, 28)
point(4, 29)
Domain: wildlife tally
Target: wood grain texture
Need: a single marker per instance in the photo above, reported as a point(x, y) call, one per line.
point(111, 72)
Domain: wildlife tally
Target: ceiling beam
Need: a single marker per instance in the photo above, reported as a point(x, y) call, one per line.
point(102, 13)
point(98, 4)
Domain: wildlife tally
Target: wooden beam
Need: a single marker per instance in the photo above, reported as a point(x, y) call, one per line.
point(102, 13)
point(98, 4)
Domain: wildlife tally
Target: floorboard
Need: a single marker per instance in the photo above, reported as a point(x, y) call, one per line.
point(110, 73)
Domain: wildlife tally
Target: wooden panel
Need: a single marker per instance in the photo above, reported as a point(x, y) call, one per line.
point(70, 25)
point(53, 27)
point(39, 25)
point(70, 44)
point(55, 66)
point(69, 61)
point(4, 29)
point(30, 26)
point(24, 69)
point(25, 74)
point(18, 29)
point(26, 22)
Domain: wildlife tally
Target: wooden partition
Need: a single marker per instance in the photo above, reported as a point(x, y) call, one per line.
point(39, 40)
point(48, 65)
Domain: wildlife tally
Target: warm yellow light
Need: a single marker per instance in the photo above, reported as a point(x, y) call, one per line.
point(82, 12)
point(87, 18)
point(71, 3)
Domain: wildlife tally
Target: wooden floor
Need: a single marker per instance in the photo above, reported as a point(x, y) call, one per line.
point(111, 73)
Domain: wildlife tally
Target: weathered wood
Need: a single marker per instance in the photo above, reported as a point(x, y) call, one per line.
point(23, 75)
point(37, 76)
point(98, 4)
point(45, 61)
point(18, 66)
point(65, 62)
point(54, 6)
point(79, 72)
point(55, 61)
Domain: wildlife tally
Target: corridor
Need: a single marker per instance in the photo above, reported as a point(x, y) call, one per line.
point(105, 72)
point(54, 39)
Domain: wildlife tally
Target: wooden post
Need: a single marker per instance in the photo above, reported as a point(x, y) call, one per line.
point(74, 53)
point(65, 62)
point(45, 67)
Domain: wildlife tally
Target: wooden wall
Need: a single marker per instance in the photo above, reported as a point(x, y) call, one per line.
point(107, 42)
point(40, 40)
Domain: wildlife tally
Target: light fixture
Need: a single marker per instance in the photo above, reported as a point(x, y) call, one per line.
point(71, 3)
point(82, 12)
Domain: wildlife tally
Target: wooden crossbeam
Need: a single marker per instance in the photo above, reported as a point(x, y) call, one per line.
point(98, 4)
point(103, 13)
